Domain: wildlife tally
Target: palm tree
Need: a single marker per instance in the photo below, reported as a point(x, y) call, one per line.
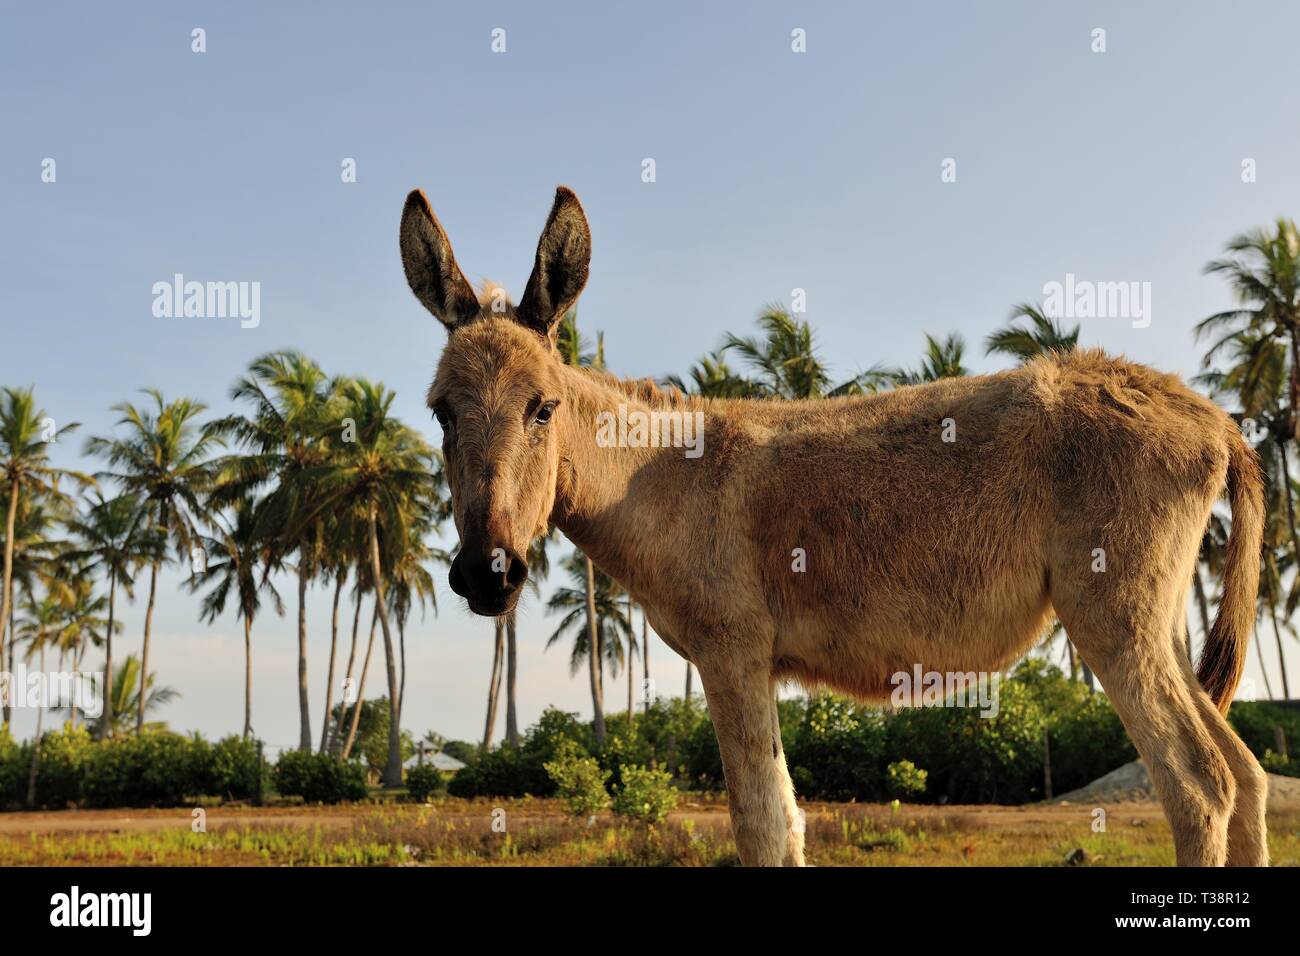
point(26, 433)
point(942, 359)
point(1263, 269)
point(36, 552)
point(1257, 381)
point(84, 625)
point(336, 566)
point(784, 359)
point(1042, 335)
point(236, 557)
point(166, 459)
point(608, 621)
point(574, 350)
point(413, 584)
point(494, 682)
point(284, 441)
point(359, 589)
point(712, 377)
point(381, 477)
point(42, 620)
point(539, 568)
point(110, 537)
point(127, 685)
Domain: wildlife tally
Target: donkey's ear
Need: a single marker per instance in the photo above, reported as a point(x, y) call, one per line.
point(560, 272)
point(431, 269)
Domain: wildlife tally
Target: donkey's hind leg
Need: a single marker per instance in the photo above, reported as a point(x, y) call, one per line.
point(1122, 629)
point(739, 694)
point(1247, 830)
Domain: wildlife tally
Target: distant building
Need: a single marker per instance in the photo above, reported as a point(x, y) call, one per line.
point(445, 763)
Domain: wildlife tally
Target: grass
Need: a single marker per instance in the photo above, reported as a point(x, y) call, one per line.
point(531, 832)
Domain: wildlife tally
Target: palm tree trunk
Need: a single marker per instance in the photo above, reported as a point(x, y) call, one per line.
point(36, 747)
point(336, 726)
point(361, 688)
point(594, 662)
point(1295, 382)
point(645, 658)
point(1285, 481)
point(144, 653)
point(6, 592)
point(329, 682)
point(1282, 660)
point(393, 769)
point(1202, 605)
point(688, 680)
point(106, 714)
point(494, 683)
point(512, 715)
point(76, 672)
point(248, 676)
point(1263, 668)
point(631, 650)
point(304, 711)
point(401, 684)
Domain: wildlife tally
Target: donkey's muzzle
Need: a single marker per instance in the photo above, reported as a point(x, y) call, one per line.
point(489, 579)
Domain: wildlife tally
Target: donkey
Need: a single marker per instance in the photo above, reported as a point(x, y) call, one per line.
point(842, 541)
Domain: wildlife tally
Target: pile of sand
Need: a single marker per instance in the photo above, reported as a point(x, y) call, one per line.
point(1131, 783)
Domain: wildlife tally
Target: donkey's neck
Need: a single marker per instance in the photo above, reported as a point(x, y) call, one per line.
point(613, 496)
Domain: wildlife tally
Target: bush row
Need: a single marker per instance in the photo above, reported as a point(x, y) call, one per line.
point(159, 768)
point(155, 768)
point(838, 750)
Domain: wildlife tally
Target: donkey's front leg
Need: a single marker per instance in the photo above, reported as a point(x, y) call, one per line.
point(763, 814)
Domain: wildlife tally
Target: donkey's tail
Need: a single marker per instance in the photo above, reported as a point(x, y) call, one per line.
point(1224, 655)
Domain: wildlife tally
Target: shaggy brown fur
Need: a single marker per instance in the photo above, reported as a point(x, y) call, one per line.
point(939, 525)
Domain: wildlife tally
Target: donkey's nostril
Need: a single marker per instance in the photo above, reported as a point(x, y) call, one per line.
point(456, 578)
point(516, 572)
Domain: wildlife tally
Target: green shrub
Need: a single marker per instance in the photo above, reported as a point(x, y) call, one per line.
point(511, 772)
point(154, 768)
point(702, 759)
point(839, 746)
point(13, 769)
point(579, 780)
point(235, 771)
point(63, 766)
point(1256, 722)
point(319, 778)
point(423, 782)
point(904, 779)
point(646, 795)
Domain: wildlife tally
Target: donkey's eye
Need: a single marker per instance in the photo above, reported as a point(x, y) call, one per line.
point(544, 413)
point(444, 420)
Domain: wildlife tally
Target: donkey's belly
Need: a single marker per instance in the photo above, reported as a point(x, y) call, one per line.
point(864, 654)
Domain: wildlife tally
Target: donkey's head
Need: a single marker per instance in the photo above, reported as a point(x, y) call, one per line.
point(497, 394)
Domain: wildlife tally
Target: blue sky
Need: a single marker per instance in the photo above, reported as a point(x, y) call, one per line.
point(775, 170)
